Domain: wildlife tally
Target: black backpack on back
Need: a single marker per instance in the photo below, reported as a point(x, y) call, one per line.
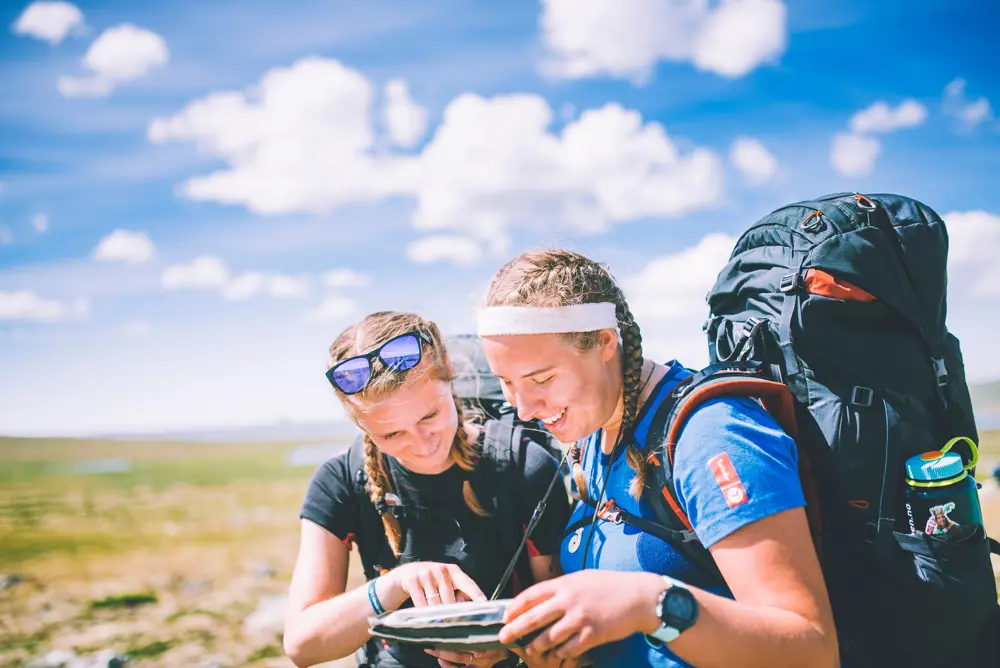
point(832, 313)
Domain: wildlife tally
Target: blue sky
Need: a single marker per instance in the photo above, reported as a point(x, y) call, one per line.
point(284, 141)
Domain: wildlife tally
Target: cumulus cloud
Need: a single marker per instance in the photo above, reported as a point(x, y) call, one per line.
point(854, 155)
point(345, 277)
point(301, 142)
point(48, 21)
point(25, 305)
point(202, 273)
point(970, 112)
point(254, 283)
point(333, 308)
point(124, 246)
point(881, 118)
point(305, 142)
point(404, 119)
point(974, 242)
point(458, 250)
point(753, 160)
point(119, 55)
point(626, 38)
point(671, 319)
point(40, 222)
point(209, 272)
point(494, 163)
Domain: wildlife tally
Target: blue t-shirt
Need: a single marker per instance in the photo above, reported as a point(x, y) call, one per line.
point(733, 466)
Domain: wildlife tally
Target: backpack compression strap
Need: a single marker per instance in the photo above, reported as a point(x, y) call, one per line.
point(746, 380)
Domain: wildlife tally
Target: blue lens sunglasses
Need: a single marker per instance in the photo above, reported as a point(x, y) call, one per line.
point(399, 354)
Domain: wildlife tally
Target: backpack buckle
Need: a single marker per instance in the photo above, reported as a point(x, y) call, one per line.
point(789, 282)
point(940, 371)
point(749, 325)
point(862, 396)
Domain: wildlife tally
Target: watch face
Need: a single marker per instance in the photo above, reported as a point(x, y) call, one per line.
point(679, 605)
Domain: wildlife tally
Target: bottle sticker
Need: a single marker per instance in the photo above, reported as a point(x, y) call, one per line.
point(939, 522)
point(729, 482)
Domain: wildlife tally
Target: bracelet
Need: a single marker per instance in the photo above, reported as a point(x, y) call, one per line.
point(373, 598)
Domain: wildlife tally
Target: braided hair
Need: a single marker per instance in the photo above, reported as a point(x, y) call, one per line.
point(367, 334)
point(558, 277)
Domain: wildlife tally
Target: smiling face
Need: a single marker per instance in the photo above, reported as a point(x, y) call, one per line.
point(415, 424)
point(546, 377)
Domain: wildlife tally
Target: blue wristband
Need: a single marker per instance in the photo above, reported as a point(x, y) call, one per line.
point(373, 598)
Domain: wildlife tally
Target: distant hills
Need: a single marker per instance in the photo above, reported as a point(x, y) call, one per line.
point(302, 432)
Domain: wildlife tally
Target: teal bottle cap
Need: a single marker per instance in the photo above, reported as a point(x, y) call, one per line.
point(934, 465)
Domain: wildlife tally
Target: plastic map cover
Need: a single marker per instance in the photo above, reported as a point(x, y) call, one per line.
point(467, 625)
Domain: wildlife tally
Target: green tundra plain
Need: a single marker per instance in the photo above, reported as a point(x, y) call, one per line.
point(166, 553)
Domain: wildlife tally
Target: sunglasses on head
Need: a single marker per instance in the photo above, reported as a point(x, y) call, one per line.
point(400, 353)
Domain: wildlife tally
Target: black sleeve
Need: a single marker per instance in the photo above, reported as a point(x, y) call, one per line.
point(539, 469)
point(329, 500)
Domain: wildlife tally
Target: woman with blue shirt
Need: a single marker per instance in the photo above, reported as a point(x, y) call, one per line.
point(559, 334)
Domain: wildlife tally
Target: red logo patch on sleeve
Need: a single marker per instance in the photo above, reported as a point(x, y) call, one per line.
point(730, 483)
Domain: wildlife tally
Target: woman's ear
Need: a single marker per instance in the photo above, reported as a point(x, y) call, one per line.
point(607, 341)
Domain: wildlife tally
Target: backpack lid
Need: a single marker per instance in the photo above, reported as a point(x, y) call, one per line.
point(473, 377)
point(934, 465)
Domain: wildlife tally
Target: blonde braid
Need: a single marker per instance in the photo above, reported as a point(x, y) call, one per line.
point(378, 484)
point(466, 454)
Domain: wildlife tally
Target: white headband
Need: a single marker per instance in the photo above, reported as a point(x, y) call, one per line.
point(500, 320)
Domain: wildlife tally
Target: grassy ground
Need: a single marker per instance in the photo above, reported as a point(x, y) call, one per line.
point(166, 561)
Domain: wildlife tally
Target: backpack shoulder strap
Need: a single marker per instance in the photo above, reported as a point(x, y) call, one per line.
point(750, 380)
point(503, 449)
point(373, 545)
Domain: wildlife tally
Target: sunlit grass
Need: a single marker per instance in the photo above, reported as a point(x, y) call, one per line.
point(157, 560)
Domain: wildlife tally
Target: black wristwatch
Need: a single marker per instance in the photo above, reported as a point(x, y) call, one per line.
point(677, 609)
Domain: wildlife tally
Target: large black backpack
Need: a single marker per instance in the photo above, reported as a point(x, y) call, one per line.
point(832, 313)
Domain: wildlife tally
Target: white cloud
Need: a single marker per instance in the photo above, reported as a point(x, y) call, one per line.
point(755, 162)
point(345, 277)
point(970, 113)
point(137, 328)
point(854, 155)
point(203, 273)
point(974, 245)
point(300, 141)
point(681, 309)
point(255, 283)
point(6, 236)
point(40, 222)
point(119, 55)
point(124, 246)
point(740, 35)
point(49, 21)
point(460, 251)
point(334, 308)
point(304, 143)
point(881, 118)
point(405, 120)
point(26, 305)
point(209, 272)
point(493, 164)
point(626, 38)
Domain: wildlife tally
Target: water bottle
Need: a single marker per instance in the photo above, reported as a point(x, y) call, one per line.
point(940, 493)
